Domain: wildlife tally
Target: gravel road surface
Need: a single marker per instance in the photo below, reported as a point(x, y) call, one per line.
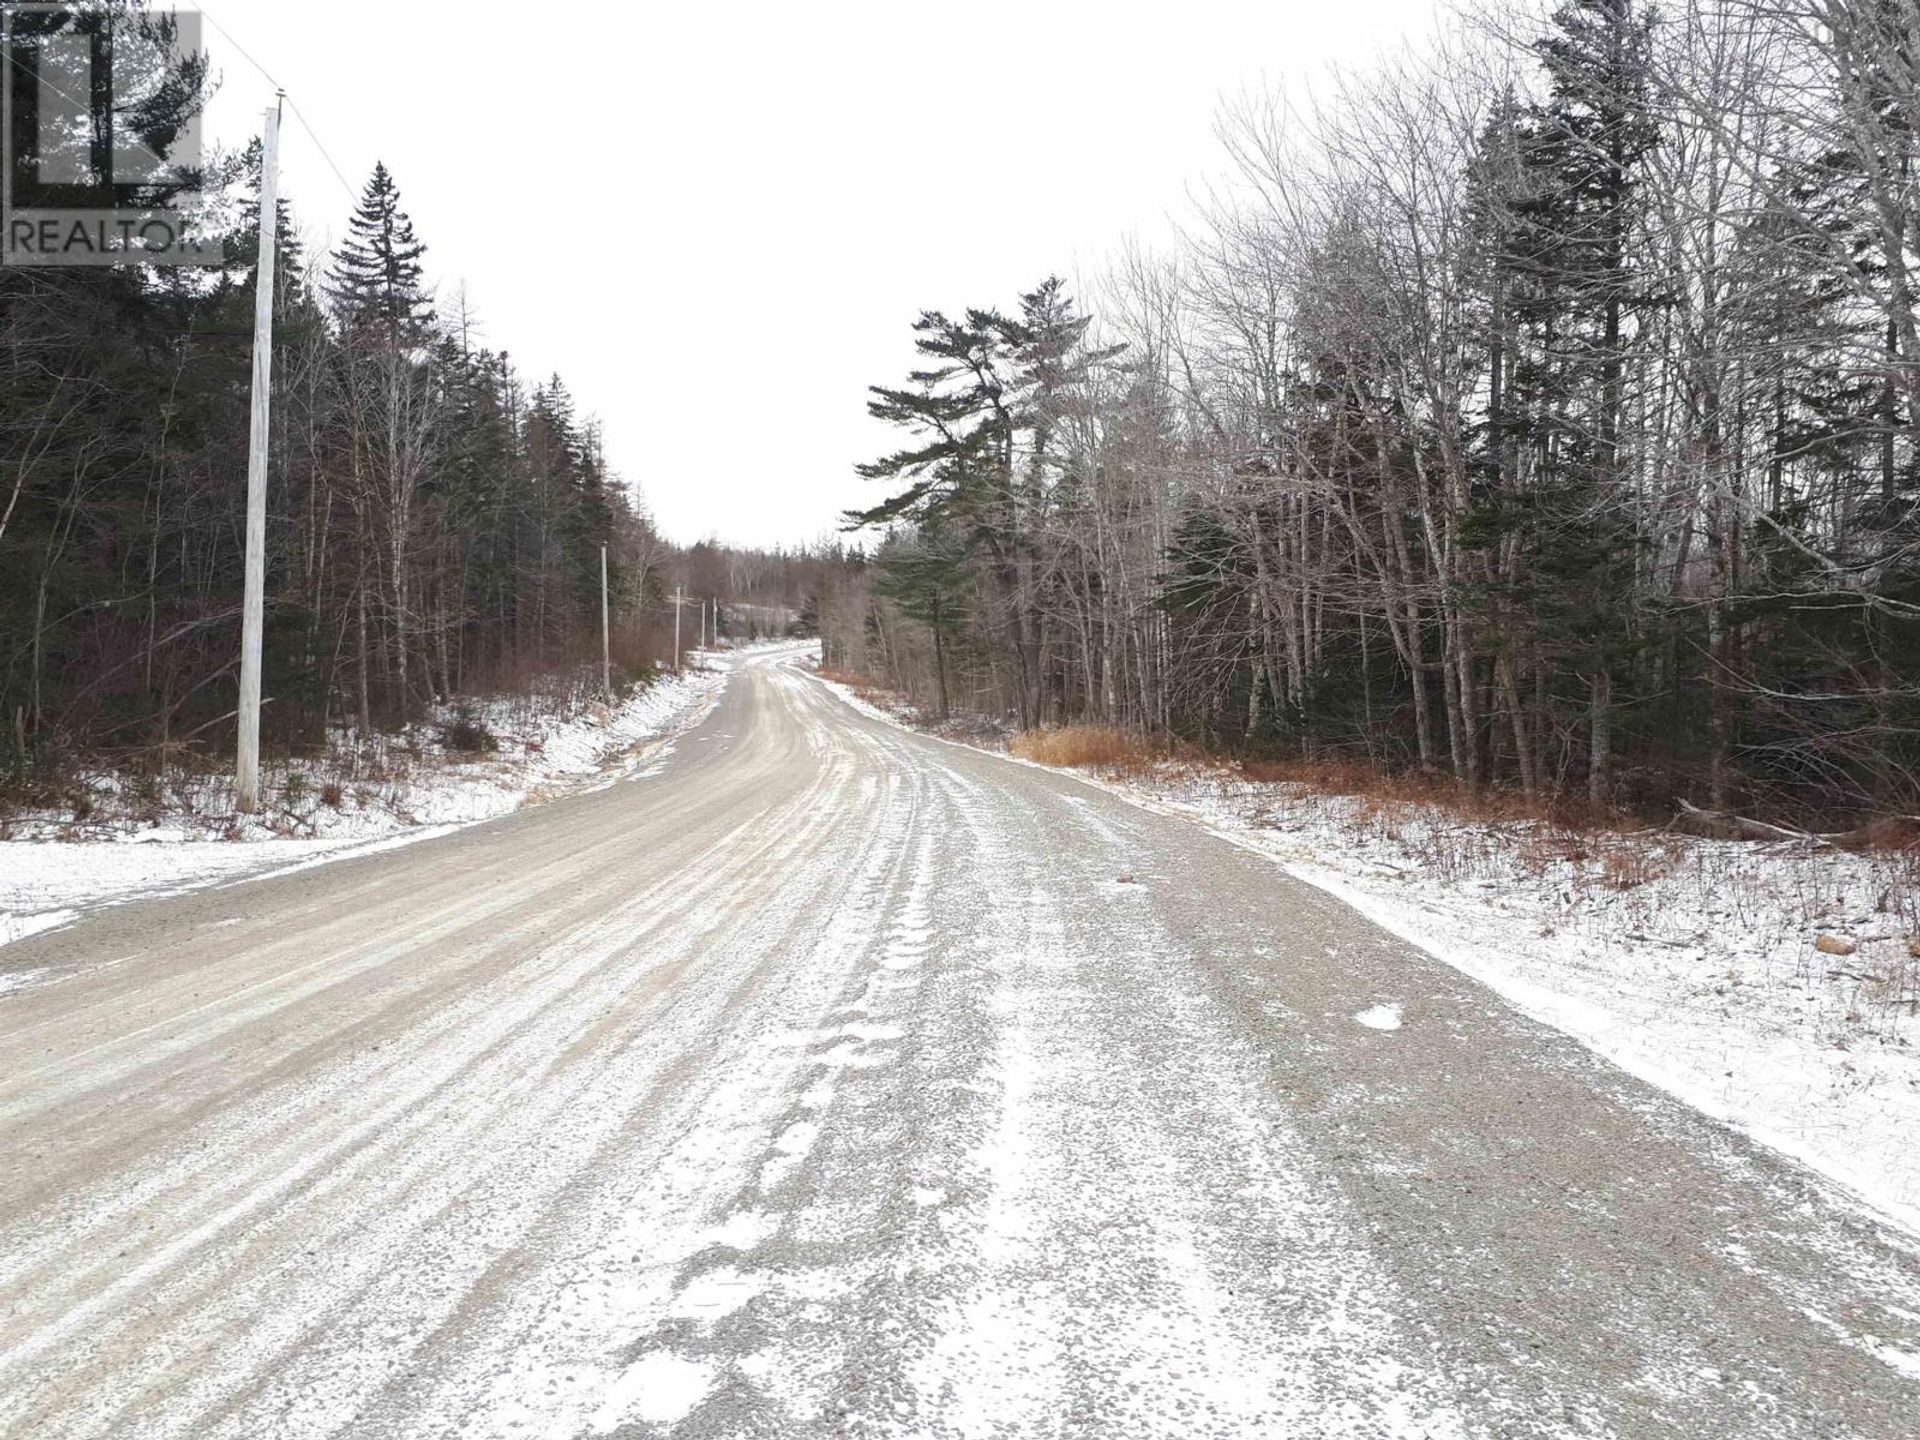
point(833, 1081)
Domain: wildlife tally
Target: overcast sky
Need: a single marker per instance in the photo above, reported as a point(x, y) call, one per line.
point(718, 221)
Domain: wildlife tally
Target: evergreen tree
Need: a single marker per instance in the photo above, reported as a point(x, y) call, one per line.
point(1577, 295)
point(289, 252)
point(1204, 594)
point(571, 498)
point(929, 575)
point(376, 277)
point(479, 484)
point(992, 398)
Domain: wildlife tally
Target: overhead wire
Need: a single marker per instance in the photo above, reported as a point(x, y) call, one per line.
point(291, 103)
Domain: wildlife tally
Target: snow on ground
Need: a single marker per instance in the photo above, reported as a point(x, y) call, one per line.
point(1699, 974)
point(55, 866)
point(1774, 987)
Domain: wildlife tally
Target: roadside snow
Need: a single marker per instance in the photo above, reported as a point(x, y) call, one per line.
point(48, 883)
point(56, 869)
point(904, 716)
point(1691, 964)
point(1696, 965)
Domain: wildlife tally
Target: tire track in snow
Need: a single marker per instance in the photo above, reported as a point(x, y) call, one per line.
point(532, 1036)
point(590, 1361)
point(876, 1107)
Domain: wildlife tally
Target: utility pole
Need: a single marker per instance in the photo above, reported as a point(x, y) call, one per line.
point(253, 601)
point(677, 602)
point(606, 645)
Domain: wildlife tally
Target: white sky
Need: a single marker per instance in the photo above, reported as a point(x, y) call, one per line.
point(717, 222)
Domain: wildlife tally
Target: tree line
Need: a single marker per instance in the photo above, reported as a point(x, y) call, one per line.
point(435, 525)
point(1540, 412)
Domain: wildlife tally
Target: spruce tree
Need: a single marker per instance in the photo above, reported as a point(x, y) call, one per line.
point(929, 575)
point(375, 279)
point(480, 485)
point(563, 457)
point(290, 256)
point(1583, 153)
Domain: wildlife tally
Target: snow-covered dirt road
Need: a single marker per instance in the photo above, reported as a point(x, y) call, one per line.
point(833, 1081)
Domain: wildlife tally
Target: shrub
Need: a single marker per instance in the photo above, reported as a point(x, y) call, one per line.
point(635, 676)
point(467, 734)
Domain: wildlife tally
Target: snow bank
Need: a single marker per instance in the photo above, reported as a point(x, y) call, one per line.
point(55, 867)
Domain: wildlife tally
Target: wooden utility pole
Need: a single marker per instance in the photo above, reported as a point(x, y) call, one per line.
point(606, 645)
point(253, 602)
point(677, 602)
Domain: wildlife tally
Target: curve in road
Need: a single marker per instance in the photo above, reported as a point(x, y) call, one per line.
point(830, 1080)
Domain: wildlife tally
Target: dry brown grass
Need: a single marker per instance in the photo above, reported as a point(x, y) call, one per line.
point(1092, 747)
point(1627, 864)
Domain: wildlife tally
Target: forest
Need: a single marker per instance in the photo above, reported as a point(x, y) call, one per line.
point(435, 525)
point(1539, 412)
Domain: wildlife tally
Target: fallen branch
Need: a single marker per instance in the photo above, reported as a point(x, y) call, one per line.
point(1724, 825)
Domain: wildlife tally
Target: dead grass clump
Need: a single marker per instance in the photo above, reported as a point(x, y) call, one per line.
point(1629, 863)
point(1382, 817)
point(1093, 747)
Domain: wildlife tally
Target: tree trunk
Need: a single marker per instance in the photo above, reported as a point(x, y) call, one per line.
point(1600, 741)
point(1523, 756)
point(360, 660)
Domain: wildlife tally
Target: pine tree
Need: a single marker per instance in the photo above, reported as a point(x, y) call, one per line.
point(994, 394)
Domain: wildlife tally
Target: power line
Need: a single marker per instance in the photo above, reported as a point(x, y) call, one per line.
point(241, 48)
point(344, 184)
point(312, 135)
